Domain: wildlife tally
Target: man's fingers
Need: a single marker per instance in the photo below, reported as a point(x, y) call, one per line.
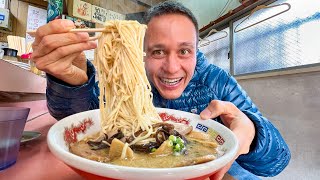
point(51, 42)
point(215, 109)
point(78, 77)
point(60, 53)
point(81, 62)
point(220, 173)
point(65, 71)
point(62, 66)
point(54, 27)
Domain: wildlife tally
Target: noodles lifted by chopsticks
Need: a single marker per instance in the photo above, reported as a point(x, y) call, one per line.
point(125, 92)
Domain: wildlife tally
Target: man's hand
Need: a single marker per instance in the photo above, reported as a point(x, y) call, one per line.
point(60, 53)
point(237, 122)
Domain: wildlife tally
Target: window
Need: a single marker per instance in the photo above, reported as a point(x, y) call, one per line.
point(286, 40)
point(216, 48)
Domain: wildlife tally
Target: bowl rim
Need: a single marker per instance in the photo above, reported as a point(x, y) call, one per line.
point(72, 159)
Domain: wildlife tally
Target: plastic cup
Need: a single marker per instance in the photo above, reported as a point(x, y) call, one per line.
point(12, 122)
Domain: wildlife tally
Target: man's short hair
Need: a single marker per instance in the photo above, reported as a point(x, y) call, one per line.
point(171, 7)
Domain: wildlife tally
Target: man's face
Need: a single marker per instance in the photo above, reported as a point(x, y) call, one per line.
point(170, 46)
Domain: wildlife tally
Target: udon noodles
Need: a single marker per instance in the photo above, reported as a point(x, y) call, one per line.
point(125, 92)
point(130, 125)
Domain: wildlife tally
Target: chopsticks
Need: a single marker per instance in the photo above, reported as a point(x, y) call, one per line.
point(32, 33)
point(18, 43)
point(28, 47)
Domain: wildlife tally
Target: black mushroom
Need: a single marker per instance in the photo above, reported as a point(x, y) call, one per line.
point(164, 130)
point(96, 145)
point(119, 135)
point(100, 144)
point(136, 134)
point(147, 147)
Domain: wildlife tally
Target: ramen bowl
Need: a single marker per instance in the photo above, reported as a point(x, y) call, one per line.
point(78, 126)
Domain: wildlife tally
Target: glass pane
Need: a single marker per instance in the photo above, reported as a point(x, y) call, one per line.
point(286, 40)
point(218, 49)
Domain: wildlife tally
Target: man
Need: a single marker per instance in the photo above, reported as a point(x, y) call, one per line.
point(181, 78)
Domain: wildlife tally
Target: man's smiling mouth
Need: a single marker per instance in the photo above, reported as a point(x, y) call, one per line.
point(170, 82)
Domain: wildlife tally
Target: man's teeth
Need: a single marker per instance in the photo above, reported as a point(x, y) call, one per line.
point(171, 81)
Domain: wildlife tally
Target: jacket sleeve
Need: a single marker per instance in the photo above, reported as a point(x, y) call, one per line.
point(269, 153)
point(64, 100)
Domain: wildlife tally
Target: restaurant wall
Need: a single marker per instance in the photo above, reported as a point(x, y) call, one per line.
point(209, 10)
point(19, 10)
point(292, 103)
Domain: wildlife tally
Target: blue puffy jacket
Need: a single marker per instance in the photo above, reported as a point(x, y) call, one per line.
point(269, 154)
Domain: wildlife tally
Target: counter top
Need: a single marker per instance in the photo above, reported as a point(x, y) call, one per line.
point(35, 161)
point(15, 79)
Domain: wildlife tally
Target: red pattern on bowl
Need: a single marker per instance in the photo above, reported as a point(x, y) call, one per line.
point(71, 133)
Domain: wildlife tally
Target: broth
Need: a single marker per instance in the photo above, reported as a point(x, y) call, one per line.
point(196, 153)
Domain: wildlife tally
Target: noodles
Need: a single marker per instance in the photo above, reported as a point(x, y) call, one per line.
point(125, 92)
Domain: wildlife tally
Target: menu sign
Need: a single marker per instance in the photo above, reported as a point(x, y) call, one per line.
point(99, 15)
point(82, 10)
point(80, 23)
point(4, 4)
point(115, 16)
point(36, 18)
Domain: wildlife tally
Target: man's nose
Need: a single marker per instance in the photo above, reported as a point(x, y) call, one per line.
point(172, 64)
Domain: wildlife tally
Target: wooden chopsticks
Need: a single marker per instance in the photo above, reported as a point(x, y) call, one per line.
point(33, 32)
point(18, 43)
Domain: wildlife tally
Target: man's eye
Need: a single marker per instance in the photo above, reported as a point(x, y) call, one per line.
point(184, 51)
point(157, 52)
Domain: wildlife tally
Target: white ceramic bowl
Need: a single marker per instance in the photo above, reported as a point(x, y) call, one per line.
point(77, 126)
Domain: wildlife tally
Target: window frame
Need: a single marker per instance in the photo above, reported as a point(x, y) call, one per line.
point(315, 67)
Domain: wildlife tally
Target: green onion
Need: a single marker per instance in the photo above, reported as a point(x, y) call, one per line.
point(176, 143)
point(172, 138)
point(177, 148)
point(179, 141)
